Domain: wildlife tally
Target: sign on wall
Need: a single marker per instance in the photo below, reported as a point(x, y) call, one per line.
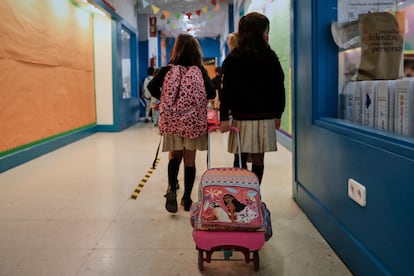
point(153, 26)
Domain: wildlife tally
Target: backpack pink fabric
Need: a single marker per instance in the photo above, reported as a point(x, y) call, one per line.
point(183, 107)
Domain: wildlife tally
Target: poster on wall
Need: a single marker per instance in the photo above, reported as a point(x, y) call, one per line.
point(351, 9)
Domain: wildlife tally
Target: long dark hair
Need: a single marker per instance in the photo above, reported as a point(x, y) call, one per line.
point(251, 35)
point(186, 51)
point(237, 204)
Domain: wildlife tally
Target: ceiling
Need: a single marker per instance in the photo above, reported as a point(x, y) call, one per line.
point(201, 18)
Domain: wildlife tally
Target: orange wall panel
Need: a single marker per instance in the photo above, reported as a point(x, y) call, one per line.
point(46, 71)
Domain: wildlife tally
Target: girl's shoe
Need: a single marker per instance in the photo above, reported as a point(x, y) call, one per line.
point(186, 203)
point(171, 202)
point(177, 186)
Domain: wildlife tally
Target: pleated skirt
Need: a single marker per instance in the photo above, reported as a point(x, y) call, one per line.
point(175, 143)
point(256, 136)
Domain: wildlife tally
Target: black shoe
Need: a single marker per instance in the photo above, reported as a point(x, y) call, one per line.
point(187, 204)
point(177, 186)
point(171, 202)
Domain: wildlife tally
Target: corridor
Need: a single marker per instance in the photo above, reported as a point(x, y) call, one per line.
point(70, 213)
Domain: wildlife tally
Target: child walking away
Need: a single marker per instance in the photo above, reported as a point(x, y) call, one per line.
point(183, 87)
point(147, 95)
point(155, 105)
point(254, 98)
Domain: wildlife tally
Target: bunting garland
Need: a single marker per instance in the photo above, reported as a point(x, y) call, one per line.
point(166, 14)
point(155, 9)
point(187, 15)
point(145, 4)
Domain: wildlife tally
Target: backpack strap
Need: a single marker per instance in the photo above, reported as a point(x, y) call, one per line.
point(156, 153)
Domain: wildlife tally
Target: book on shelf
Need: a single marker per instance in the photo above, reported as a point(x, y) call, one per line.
point(404, 107)
point(384, 105)
point(357, 104)
point(347, 101)
point(368, 102)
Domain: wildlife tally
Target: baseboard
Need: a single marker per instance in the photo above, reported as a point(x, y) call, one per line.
point(24, 155)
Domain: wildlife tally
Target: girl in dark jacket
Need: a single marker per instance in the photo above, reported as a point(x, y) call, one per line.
point(253, 92)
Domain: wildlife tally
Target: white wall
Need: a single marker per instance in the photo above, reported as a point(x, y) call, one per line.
point(127, 10)
point(103, 70)
point(143, 25)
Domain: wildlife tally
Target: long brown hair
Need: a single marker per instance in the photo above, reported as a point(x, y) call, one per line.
point(251, 35)
point(186, 51)
point(232, 41)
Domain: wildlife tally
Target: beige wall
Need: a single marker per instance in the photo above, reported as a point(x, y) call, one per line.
point(103, 70)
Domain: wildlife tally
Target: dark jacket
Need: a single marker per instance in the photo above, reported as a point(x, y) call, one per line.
point(253, 87)
point(155, 85)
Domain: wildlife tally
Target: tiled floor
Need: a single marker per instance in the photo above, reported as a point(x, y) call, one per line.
point(70, 212)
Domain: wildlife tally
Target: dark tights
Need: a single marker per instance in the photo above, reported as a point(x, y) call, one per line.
point(189, 170)
point(257, 163)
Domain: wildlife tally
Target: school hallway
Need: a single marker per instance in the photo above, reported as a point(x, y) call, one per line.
point(70, 212)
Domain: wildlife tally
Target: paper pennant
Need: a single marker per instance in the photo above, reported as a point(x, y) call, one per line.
point(188, 14)
point(198, 12)
point(166, 14)
point(155, 9)
point(205, 9)
point(177, 15)
point(213, 2)
point(145, 4)
point(217, 8)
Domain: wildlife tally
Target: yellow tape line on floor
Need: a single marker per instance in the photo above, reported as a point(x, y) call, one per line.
point(144, 180)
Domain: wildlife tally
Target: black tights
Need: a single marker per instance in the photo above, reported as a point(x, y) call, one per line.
point(243, 160)
point(189, 171)
point(257, 163)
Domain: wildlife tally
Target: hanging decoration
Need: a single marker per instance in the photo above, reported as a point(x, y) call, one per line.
point(165, 14)
point(145, 4)
point(155, 9)
point(185, 21)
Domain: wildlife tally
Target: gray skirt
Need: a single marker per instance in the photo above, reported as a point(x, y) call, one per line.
point(256, 136)
point(176, 143)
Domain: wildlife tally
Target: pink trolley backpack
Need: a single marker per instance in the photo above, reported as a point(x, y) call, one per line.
point(229, 215)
